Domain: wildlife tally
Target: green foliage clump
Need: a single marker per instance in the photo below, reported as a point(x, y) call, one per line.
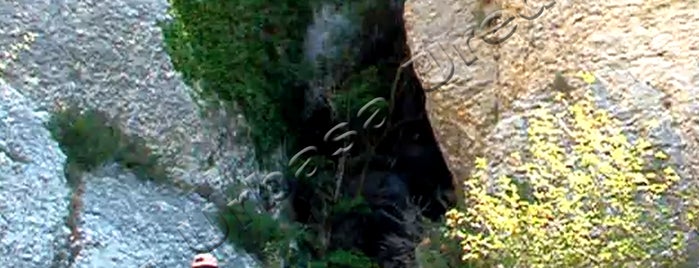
point(89, 140)
point(345, 259)
point(276, 240)
point(261, 234)
point(360, 89)
point(436, 250)
point(244, 52)
point(351, 205)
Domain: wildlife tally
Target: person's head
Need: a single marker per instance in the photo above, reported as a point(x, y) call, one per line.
point(204, 260)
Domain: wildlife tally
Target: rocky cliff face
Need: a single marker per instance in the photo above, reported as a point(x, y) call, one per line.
point(121, 221)
point(110, 56)
point(643, 53)
point(107, 56)
point(126, 222)
point(33, 193)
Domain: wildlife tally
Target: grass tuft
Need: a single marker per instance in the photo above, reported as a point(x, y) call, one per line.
point(89, 140)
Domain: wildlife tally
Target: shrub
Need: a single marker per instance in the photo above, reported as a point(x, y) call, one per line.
point(260, 234)
point(272, 240)
point(89, 140)
point(345, 259)
point(606, 201)
point(249, 53)
point(436, 250)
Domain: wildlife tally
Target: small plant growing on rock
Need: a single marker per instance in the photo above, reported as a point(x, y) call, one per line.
point(260, 234)
point(604, 202)
point(89, 140)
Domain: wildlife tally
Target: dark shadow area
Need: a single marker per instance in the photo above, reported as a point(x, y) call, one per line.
point(394, 168)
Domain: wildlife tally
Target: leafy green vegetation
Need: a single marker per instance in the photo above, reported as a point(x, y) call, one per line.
point(358, 90)
point(247, 53)
point(260, 234)
point(437, 250)
point(349, 259)
point(90, 140)
point(351, 205)
point(270, 239)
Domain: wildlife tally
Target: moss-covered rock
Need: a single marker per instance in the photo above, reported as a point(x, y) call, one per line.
point(90, 139)
point(247, 53)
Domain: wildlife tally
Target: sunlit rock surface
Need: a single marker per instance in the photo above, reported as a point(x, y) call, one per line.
point(110, 56)
point(643, 52)
point(644, 56)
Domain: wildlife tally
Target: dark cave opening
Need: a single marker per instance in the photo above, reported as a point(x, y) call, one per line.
point(406, 164)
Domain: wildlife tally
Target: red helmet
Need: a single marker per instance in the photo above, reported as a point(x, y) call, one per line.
point(204, 260)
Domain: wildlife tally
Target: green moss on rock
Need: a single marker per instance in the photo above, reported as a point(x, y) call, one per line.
point(90, 140)
point(244, 52)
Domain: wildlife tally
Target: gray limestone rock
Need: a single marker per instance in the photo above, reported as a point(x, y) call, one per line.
point(33, 191)
point(127, 222)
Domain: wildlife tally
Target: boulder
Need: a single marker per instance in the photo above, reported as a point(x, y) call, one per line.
point(126, 222)
point(642, 53)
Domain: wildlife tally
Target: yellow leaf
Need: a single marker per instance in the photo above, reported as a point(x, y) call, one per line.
point(642, 144)
point(559, 96)
point(640, 179)
point(481, 163)
point(660, 155)
point(588, 77)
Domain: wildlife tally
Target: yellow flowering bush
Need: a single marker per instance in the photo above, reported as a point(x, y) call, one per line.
point(583, 195)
